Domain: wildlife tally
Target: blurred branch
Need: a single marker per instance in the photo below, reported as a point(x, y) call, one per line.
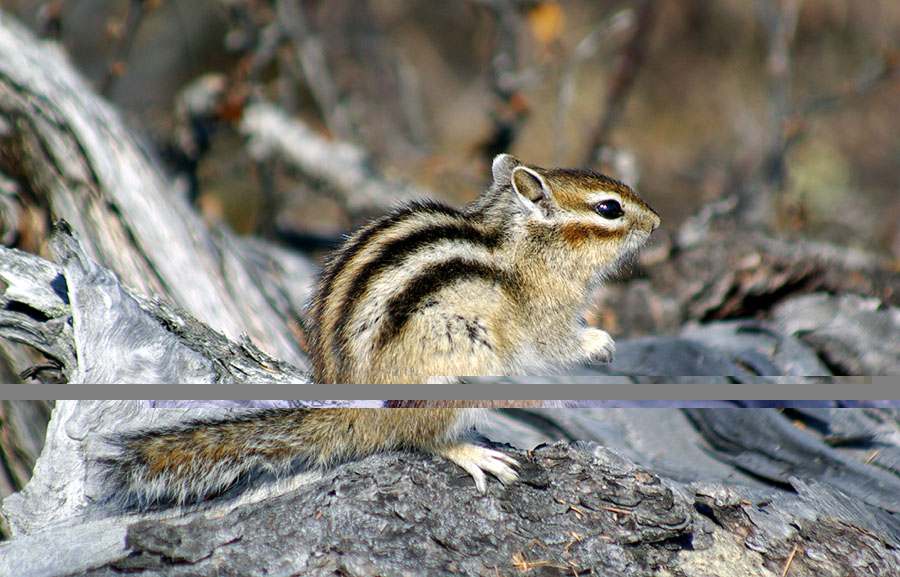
point(410, 94)
point(510, 108)
point(264, 50)
point(49, 19)
point(197, 116)
point(343, 167)
point(386, 96)
point(888, 70)
point(123, 35)
point(618, 22)
point(778, 20)
point(795, 125)
point(622, 80)
point(311, 56)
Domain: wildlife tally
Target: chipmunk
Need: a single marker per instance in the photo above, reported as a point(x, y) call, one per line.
point(428, 292)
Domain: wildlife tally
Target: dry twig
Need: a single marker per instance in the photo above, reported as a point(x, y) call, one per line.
point(618, 22)
point(622, 80)
point(314, 65)
point(123, 35)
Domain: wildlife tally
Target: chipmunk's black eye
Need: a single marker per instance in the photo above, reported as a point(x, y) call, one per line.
point(609, 209)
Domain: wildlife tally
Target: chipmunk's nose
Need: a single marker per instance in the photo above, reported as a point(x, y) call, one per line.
point(654, 222)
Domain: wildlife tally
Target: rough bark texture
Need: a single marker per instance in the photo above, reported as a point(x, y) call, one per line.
point(579, 508)
point(23, 425)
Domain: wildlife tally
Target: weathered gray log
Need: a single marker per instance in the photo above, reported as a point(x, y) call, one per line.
point(579, 508)
point(68, 146)
point(858, 333)
point(104, 334)
point(23, 426)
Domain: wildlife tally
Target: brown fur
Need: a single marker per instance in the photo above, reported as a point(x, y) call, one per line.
point(578, 235)
point(202, 458)
point(431, 293)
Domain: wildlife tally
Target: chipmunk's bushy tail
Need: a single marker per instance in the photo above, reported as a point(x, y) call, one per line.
point(204, 457)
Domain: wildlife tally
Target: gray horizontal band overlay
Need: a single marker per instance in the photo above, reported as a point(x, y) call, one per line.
point(878, 388)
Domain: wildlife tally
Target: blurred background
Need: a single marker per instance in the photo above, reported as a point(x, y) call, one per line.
point(689, 102)
point(791, 107)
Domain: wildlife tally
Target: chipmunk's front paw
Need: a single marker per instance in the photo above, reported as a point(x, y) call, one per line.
point(477, 460)
point(599, 347)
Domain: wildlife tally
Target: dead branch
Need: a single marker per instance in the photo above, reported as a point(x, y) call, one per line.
point(343, 167)
point(510, 108)
point(122, 34)
point(888, 70)
point(622, 80)
point(778, 19)
point(310, 53)
point(586, 48)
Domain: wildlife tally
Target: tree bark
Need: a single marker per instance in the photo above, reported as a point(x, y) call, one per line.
point(579, 508)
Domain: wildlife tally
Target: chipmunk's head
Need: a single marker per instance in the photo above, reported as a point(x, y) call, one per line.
point(598, 218)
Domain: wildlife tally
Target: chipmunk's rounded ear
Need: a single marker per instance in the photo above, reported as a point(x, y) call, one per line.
point(502, 167)
point(531, 186)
